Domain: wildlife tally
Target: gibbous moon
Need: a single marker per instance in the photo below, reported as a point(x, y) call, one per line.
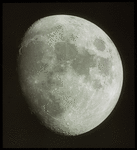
point(70, 72)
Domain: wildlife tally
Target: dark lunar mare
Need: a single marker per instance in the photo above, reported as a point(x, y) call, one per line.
point(99, 44)
point(80, 63)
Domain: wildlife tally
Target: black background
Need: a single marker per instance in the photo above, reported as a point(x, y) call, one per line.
point(20, 127)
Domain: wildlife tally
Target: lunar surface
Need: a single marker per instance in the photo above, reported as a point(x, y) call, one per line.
point(70, 72)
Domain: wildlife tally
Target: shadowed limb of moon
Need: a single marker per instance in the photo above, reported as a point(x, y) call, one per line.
point(71, 78)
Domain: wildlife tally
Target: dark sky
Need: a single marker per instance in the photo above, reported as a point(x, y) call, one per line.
point(20, 127)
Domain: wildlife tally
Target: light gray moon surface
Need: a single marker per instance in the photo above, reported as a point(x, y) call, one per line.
point(70, 72)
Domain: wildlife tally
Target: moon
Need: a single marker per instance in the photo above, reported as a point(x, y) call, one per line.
point(70, 72)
